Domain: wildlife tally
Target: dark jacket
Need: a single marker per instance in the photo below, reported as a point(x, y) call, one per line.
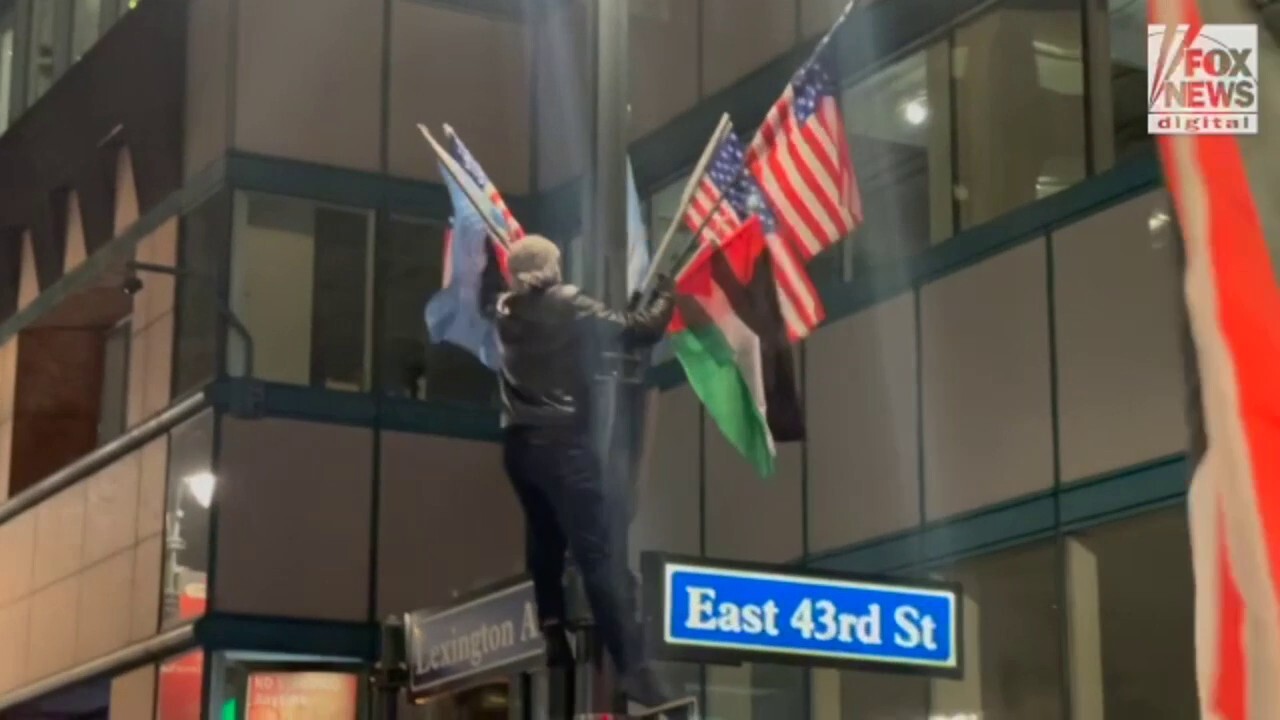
point(552, 342)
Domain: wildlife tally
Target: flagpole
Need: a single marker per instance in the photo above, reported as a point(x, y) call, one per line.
point(496, 233)
point(695, 179)
point(690, 252)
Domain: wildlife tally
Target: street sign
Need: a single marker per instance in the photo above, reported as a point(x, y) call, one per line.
point(494, 633)
point(700, 610)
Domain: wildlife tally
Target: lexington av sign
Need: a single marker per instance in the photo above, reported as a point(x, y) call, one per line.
point(490, 634)
point(701, 610)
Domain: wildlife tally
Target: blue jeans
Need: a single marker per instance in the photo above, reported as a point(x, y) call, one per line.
point(568, 505)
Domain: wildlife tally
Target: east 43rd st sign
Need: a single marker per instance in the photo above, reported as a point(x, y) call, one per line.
point(706, 611)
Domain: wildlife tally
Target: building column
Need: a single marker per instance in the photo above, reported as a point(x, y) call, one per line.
point(824, 691)
point(1084, 632)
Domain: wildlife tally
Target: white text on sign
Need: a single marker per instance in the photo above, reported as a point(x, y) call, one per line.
point(813, 619)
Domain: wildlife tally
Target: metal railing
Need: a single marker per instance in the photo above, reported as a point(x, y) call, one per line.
point(131, 440)
point(123, 660)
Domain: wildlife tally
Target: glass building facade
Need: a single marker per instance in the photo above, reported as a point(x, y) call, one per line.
point(267, 440)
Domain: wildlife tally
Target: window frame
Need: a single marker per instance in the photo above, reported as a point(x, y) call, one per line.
point(232, 359)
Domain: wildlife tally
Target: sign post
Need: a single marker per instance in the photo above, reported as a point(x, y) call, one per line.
point(700, 610)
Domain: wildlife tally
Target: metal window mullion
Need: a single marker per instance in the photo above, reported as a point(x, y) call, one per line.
point(63, 38)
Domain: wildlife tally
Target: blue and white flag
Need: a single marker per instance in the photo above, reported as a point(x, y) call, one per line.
point(454, 314)
point(637, 236)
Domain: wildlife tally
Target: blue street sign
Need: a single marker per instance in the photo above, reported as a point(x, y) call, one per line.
point(707, 611)
point(490, 635)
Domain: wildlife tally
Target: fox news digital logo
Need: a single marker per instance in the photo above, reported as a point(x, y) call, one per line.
point(1202, 81)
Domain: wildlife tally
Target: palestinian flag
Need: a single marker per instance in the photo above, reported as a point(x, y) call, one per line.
point(729, 336)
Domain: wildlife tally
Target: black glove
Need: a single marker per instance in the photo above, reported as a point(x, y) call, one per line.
point(665, 284)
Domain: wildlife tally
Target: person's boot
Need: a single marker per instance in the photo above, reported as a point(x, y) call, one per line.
point(559, 649)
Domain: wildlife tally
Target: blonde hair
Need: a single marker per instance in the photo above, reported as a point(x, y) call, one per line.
point(534, 263)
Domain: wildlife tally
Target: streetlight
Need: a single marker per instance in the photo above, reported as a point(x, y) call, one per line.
point(200, 485)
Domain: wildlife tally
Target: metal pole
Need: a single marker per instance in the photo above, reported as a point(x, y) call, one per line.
point(390, 673)
point(605, 256)
point(607, 236)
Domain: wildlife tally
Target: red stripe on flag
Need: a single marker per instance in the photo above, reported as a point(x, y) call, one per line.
point(1248, 304)
point(808, 177)
point(1237, 344)
point(1230, 693)
point(795, 284)
point(776, 123)
point(802, 226)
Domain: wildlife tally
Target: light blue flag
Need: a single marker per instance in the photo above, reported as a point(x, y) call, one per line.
point(637, 236)
point(454, 314)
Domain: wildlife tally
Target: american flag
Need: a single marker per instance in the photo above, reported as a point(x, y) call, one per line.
point(472, 166)
point(722, 172)
point(801, 307)
point(801, 158)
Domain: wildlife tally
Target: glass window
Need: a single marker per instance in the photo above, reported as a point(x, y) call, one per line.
point(8, 39)
point(202, 247)
point(115, 383)
point(412, 263)
point(900, 139)
point(847, 695)
point(86, 22)
point(191, 486)
point(755, 692)
point(1019, 104)
point(1131, 619)
point(300, 282)
point(1120, 80)
point(42, 65)
point(1013, 638)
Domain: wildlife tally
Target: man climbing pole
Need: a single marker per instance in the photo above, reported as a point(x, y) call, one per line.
point(550, 334)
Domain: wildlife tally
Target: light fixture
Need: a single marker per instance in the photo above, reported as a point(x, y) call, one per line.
point(1158, 220)
point(915, 111)
point(201, 484)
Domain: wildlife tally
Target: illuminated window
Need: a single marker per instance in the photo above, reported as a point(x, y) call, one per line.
point(1019, 103)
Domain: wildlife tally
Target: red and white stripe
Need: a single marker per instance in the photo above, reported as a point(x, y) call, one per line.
point(807, 175)
point(1220, 186)
point(802, 308)
point(798, 299)
point(706, 203)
